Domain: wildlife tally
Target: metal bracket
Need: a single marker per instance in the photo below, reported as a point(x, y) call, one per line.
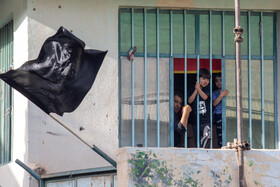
point(238, 31)
point(245, 145)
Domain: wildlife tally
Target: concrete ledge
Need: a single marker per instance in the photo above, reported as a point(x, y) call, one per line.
point(195, 167)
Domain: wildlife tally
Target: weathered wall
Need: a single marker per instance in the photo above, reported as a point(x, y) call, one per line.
point(11, 174)
point(195, 167)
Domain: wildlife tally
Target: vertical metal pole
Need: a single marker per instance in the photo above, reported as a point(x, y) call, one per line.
point(145, 79)
point(197, 106)
point(120, 84)
point(197, 51)
point(262, 84)
point(11, 90)
point(223, 28)
point(171, 83)
point(211, 86)
point(1, 96)
point(250, 79)
point(185, 71)
point(275, 81)
point(158, 101)
point(132, 80)
point(239, 93)
point(224, 121)
point(224, 83)
point(5, 95)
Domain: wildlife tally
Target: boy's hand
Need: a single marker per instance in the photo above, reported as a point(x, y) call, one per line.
point(224, 93)
point(197, 86)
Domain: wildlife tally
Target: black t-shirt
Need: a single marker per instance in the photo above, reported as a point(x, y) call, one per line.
point(179, 131)
point(204, 107)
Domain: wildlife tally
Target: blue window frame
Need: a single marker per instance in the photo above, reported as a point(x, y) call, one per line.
point(146, 86)
point(6, 99)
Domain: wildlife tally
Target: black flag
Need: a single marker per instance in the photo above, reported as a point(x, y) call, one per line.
point(58, 80)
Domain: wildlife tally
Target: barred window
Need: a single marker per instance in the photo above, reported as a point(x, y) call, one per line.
point(171, 47)
point(6, 99)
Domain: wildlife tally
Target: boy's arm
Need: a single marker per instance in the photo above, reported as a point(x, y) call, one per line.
point(192, 97)
point(218, 100)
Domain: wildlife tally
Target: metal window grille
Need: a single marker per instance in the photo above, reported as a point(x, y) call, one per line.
point(169, 34)
point(6, 61)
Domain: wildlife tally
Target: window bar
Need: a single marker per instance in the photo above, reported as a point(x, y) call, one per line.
point(249, 78)
point(211, 86)
point(171, 83)
point(275, 82)
point(145, 77)
point(5, 94)
point(197, 49)
point(1, 96)
point(11, 91)
point(224, 125)
point(158, 101)
point(185, 72)
point(6, 97)
point(262, 84)
point(7, 101)
point(132, 78)
point(119, 82)
point(223, 33)
point(197, 106)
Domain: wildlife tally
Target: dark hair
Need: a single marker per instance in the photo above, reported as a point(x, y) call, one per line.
point(218, 75)
point(178, 94)
point(203, 72)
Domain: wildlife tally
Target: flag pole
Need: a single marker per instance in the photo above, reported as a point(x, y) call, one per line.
point(93, 147)
point(238, 39)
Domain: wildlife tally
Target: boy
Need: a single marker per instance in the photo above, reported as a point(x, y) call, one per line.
point(217, 104)
point(201, 88)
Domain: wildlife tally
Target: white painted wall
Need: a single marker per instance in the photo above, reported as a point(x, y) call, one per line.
point(11, 174)
point(37, 139)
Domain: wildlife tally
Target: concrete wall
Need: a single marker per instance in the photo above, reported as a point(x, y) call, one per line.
point(39, 141)
point(11, 174)
point(195, 167)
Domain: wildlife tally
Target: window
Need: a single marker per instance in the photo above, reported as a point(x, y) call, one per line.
point(83, 180)
point(170, 39)
point(6, 59)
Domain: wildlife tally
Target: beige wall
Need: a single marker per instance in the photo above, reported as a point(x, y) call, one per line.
point(195, 167)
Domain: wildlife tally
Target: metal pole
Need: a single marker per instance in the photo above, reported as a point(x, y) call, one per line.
point(238, 39)
point(93, 147)
point(31, 172)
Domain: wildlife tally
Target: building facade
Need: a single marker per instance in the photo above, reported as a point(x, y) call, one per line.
point(128, 113)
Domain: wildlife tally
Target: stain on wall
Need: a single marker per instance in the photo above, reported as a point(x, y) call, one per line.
point(146, 169)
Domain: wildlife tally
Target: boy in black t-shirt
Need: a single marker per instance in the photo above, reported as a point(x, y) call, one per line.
point(201, 88)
